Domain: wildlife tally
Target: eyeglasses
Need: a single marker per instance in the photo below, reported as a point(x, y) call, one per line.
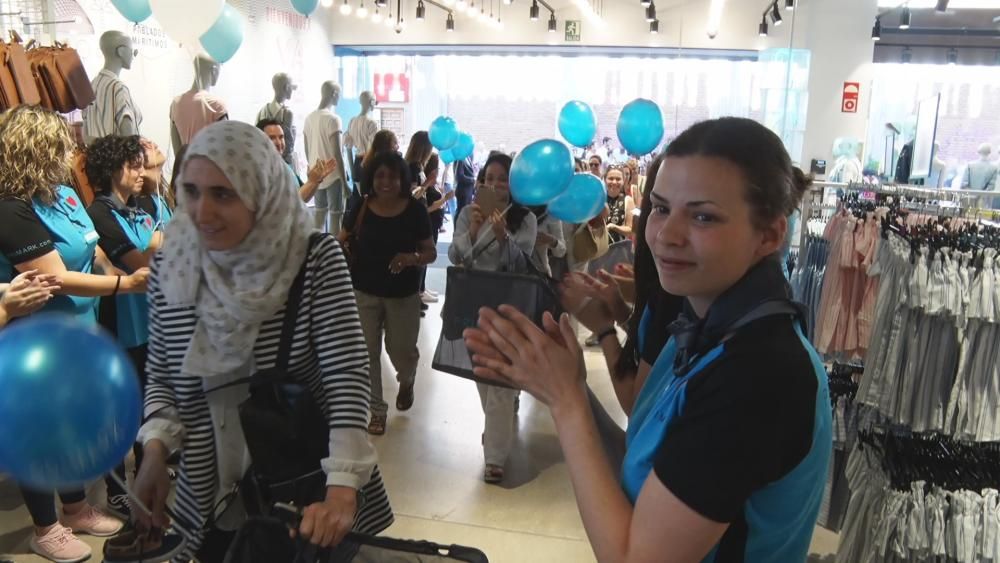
point(595, 164)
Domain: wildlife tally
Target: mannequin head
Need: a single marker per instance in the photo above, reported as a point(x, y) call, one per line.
point(117, 50)
point(206, 72)
point(283, 87)
point(367, 100)
point(329, 94)
point(985, 150)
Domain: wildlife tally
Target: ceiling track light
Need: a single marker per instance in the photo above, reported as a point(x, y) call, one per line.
point(421, 10)
point(904, 18)
point(449, 24)
point(789, 5)
point(941, 7)
point(345, 8)
point(533, 12)
point(775, 15)
point(651, 12)
point(762, 28)
point(877, 30)
point(361, 12)
point(654, 27)
point(552, 22)
point(645, 3)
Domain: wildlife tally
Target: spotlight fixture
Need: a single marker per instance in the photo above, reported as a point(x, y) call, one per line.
point(449, 24)
point(906, 56)
point(654, 27)
point(362, 12)
point(420, 11)
point(952, 56)
point(645, 3)
point(471, 10)
point(941, 7)
point(762, 28)
point(508, 2)
point(381, 3)
point(376, 16)
point(533, 13)
point(789, 5)
point(327, 3)
point(345, 8)
point(877, 30)
point(904, 18)
point(651, 12)
point(552, 22)
point(775, 15)
point(482, 16)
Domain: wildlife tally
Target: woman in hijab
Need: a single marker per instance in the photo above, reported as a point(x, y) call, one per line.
point(217, 294)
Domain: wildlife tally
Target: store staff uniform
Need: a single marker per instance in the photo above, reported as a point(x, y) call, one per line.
point(736, 422)
point(32, 230)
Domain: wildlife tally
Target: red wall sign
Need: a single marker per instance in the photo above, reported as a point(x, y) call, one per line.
point(392, 87)
point(849, 99)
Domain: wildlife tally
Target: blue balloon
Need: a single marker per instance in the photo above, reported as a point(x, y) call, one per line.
point(224, 38)
point(540, 172)
point(70, 407)
point(305, 7)
point(640, 126)
point(464, 146)
point(134, 11)
point(577, 123)
point(443, 133)
point(583, 199)
point(447, 156)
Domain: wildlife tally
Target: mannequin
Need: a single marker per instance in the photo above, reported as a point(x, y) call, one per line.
point(981, 174)
point(360, 132)
point(113, 111)
point(323, 138)
point(938, 168)
point(279, 111)
point(196, 108)
point(847, 167)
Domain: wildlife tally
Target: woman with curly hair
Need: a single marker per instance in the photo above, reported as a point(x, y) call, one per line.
point(44, 227)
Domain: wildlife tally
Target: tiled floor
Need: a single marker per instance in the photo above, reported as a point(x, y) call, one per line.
point(432, 462)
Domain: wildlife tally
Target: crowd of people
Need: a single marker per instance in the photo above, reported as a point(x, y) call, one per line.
point(193, 275)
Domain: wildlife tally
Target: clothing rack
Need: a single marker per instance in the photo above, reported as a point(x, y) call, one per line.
point(807, 206)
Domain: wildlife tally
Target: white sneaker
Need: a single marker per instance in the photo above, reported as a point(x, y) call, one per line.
point(60, 545)
point(427, 298)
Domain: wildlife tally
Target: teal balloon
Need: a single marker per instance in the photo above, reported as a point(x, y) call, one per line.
point(134, 11)
point(70, 407)
point(464, 146)
point(577, 123)
point(305, 7)
point(224, 38)
point(640, 126)
point(447, 156)
point(540, 172)
point(583, 199)
point(443, 133)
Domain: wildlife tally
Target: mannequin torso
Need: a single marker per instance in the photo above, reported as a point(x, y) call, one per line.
point(113, 111)
point(278, 110)
point(193, 110)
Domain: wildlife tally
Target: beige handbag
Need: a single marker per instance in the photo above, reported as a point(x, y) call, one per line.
point(590, 243)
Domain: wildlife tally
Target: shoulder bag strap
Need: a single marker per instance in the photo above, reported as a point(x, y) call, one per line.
point(292, 308)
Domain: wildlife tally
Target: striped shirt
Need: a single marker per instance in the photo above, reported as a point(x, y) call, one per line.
point(112, 104)
point(328, 353)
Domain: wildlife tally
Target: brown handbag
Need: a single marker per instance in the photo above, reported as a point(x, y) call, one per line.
point(350, 244)
point(62, 81)
point(589, 243)
point(17, 83)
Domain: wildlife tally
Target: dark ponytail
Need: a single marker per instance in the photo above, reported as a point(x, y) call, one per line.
point(800, 185)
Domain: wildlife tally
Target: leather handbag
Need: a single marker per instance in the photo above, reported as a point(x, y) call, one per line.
point(590, 242)
point(350, 245)
point(17, 83)
point(61, 78)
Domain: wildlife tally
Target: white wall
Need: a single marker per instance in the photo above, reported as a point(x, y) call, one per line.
point(276, 40)
point(682, 23)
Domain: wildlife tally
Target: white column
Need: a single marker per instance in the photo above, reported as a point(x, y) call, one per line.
point(839, 38)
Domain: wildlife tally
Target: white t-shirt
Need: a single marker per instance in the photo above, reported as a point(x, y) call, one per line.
point(319, 130)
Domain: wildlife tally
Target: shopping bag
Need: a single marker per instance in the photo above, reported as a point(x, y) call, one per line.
point(266, 540)
point(620, 252)
point(469, 290)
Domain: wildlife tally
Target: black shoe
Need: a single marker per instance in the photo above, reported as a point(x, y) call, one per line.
point(404, 400)
point(118, 506)
point(424, 306)
point(132, 546)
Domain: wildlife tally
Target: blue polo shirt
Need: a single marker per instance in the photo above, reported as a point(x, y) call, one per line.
point(32, 230)
point(123, 229)
point(741, 434)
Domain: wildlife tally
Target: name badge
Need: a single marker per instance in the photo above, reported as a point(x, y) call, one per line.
point(91, 236)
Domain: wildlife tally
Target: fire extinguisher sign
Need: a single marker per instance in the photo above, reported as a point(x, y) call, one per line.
point(849, 99)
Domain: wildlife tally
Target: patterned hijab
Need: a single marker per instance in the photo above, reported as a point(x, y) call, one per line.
point(234, 291)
